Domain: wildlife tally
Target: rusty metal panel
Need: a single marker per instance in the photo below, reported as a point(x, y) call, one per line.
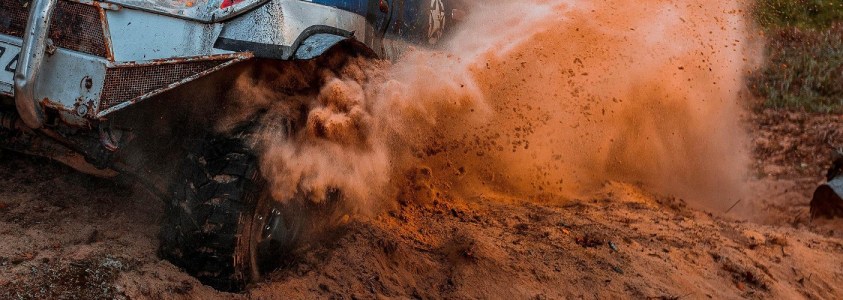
point(72, 81)
point(13, 19)
point(129, 83)
point(78, 27)
point(75, 26)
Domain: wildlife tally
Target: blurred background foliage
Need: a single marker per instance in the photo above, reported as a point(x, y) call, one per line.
point(804, 14)
point(804, 55)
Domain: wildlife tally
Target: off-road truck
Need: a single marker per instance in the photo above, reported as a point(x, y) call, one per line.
point(82, 83)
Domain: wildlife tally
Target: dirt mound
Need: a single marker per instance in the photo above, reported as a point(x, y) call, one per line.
point(68, 235)
point(792, 144)
point(621, 242)
point(792, 153)
point(557, 158)
point(71, 236)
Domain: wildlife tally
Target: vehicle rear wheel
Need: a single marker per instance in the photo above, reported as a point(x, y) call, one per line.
point(220, 224)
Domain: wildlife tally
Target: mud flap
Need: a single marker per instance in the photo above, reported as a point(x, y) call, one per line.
point(828, 200)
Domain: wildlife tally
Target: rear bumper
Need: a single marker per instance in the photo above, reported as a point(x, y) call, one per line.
point(83, 87)
point(31, 58)
point(86, 60)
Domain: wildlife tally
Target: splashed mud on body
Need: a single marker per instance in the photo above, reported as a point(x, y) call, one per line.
point(527, 98)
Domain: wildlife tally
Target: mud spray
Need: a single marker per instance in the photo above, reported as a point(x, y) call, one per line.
point(532, 99)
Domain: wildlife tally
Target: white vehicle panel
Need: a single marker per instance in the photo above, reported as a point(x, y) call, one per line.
point(8, 61)
point(141, 36)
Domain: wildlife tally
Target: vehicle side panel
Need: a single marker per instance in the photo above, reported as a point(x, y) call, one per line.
point(141, 36)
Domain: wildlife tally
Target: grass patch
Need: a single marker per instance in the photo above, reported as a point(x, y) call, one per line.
point(804, 67)
point(803, 14)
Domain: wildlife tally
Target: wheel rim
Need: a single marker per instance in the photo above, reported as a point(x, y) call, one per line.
point(272, 232)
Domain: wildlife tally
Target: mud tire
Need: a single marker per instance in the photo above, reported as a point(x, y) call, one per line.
point(206, 227)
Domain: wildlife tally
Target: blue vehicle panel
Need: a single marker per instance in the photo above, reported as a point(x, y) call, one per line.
point(359, 7)
point(403, 19)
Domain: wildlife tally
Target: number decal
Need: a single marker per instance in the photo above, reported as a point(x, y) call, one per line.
point(13, 64)
point(436, 21)
point(2, 51)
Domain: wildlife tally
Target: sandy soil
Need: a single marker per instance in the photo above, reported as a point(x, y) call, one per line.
point(66, 235)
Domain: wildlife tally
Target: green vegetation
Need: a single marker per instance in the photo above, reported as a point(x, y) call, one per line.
point(804, 14)
point(804, 67)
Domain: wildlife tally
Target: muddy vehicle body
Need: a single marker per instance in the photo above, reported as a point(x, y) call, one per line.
point(80, 82)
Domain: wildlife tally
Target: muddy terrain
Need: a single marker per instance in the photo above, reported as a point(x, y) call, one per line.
point(66, 236)
point(563, 149)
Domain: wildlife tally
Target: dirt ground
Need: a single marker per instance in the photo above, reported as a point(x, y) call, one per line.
point(66, 236)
